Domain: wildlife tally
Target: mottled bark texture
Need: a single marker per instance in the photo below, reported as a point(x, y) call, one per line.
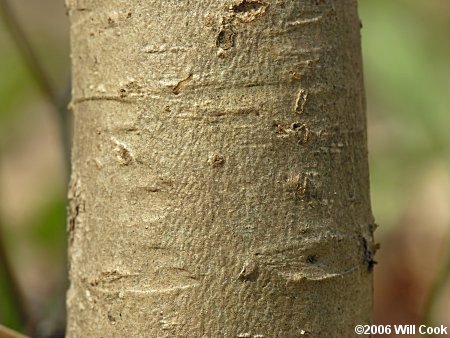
point(220, 179)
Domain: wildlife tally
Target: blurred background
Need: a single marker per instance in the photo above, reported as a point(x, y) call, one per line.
point(406, 50)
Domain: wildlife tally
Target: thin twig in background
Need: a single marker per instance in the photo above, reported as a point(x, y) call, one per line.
point(439, 283)
point(8, 333)
point(40, 76)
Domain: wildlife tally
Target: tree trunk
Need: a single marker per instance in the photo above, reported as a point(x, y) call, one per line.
point(220, 179)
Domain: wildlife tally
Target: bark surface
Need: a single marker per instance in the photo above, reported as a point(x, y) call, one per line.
point(220, 178)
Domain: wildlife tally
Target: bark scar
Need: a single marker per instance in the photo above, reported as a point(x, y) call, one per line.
point(299, 130)
point(75, 206)
point(226, 37)
point(300, 101)
point(370, 250)
point(249, 10)
point(123, 153)
point(176, 90)
point(244, 12)
point(304, 186)
point(249, 272)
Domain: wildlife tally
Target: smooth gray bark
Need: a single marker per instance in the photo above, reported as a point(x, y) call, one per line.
point(220, 179)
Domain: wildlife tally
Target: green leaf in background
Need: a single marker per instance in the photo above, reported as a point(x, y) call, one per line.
point(15, 80)
point(407, 72)
point(48, 229)
point(8, 316)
